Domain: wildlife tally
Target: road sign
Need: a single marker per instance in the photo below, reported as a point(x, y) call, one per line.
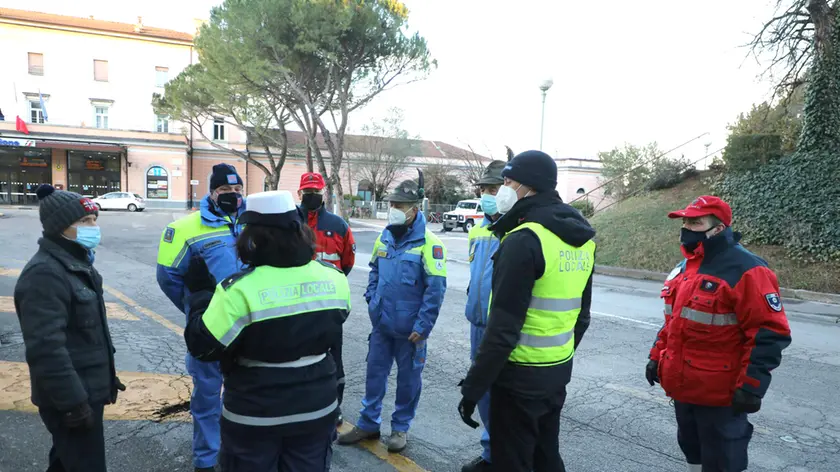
point(194, 183)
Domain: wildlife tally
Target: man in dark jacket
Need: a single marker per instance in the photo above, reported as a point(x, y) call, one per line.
point(60, 305)
point(539, 311)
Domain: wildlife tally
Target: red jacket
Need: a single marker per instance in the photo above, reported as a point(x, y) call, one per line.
point(725, 326)
point(335, 243)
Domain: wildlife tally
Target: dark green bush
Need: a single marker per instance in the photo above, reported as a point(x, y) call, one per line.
point(585, 207)
point(747, 152)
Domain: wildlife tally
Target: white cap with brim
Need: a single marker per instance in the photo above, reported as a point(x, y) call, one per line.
point(276, 208)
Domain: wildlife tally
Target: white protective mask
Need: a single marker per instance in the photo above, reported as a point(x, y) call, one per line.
point(506, 198)
point(396, 217)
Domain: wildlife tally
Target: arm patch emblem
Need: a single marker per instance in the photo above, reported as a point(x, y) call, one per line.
point(168, 235)
point(437, 252)
point(774, 300)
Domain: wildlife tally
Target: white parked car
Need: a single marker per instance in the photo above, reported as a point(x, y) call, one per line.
point(466, 215)
point(120, 201)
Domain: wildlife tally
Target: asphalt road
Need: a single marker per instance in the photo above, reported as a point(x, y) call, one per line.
point(612, 420)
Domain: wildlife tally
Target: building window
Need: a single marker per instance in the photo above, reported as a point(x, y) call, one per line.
point(218, 129)
point(101, 116)
point(36, 63)
point(100, 70)
point(161, 76)
point(162, 124)
point(157, 183)
point(580, 191)
point(36, 114)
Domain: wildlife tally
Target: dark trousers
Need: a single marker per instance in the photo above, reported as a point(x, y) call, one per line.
point(261, 449)
point(75, 450)
point(525, 433)
point(335, 351)
point(713, 436)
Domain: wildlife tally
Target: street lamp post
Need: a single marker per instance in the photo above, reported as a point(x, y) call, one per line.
point(544, 88)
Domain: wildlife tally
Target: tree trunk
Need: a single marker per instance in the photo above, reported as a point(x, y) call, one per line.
point(274, 180)
point(821, 123)
point(309, 167)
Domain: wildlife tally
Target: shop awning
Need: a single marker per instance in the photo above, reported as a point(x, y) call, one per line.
point(79, 146)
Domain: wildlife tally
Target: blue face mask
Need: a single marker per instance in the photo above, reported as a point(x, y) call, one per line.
point(488, 204)
point(88, 236)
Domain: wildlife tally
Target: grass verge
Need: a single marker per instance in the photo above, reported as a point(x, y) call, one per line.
point(637, 234)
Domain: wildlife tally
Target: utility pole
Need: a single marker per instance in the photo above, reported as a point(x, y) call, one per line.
point(544, 88)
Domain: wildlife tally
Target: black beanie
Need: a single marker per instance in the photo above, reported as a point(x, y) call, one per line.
point(224, 174)
point(533, 169)
point(59, 209)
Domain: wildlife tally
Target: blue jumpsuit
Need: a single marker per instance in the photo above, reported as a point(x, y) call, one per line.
point(213, 237)
point(405, 291)
point(482, 245)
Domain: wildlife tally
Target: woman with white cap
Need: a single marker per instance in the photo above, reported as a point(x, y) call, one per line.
point(272, 326)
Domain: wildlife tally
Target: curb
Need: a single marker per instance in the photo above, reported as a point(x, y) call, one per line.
point(798, 294)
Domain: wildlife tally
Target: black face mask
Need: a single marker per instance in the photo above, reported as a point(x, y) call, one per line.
point(311, 201)
point(228, 202)
point(690, 239)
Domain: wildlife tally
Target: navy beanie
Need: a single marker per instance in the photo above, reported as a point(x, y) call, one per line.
point(533, 169)
point(224, 174)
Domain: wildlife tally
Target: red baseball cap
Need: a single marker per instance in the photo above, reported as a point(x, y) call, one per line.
point(311, 180)
point(703, 206)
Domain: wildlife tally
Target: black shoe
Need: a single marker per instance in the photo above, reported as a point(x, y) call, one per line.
point(339, 421)
point(477, 465)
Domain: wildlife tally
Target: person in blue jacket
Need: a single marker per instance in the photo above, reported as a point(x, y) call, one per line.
point(483, 244)
point(211, 235)
point(405, 291)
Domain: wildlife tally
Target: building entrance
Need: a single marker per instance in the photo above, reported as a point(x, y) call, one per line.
point(22, 171)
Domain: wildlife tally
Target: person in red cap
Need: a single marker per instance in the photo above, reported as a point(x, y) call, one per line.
point(724, 333)
point(335, 244)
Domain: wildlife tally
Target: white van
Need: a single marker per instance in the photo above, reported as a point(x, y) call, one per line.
point(466, 215)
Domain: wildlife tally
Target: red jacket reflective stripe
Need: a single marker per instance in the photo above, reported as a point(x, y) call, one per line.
point(334, 239)
point(725, 326)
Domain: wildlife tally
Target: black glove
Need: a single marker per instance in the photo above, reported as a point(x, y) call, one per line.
point(466, 409)
point(651, 372)
point(118, 386)
point(80, 417)
point(198, 276)
point(745, 402)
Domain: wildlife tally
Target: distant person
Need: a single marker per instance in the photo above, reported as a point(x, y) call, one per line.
point(272, 326)
point(483, 245)
point(209, 233)
point(539, 312)
point(405, 292)
point(334, 244)
point(61, 309)
point(724, 333)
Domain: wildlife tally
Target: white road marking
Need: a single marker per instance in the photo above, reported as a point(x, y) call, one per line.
point(624, 318)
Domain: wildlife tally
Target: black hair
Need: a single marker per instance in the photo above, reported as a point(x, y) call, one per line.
point(259, 245)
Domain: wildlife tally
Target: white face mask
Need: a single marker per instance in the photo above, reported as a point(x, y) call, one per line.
point(506, 198)
point(396, 217)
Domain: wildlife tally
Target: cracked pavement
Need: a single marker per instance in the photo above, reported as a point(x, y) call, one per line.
point(612, 420)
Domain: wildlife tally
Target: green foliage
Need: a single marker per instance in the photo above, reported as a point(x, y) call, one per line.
point(783, 119)
point(667, 173)
point(795, 202)
point(585, 207)
point(750, 151)
point(627, 168)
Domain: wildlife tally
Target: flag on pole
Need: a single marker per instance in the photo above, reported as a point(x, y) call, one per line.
point(20, 125)
point(43, 107)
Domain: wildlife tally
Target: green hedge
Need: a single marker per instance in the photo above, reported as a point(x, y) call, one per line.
point(585, 207)
point(746, 152)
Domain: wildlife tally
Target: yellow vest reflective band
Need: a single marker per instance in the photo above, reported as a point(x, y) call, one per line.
point(547, 337)
point(268, 293)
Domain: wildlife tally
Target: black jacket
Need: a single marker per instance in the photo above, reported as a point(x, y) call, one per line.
point(258, 391)
point(59, 302)
point(518, 263)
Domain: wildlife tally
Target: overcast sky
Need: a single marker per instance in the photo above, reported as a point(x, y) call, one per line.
point(633, 72)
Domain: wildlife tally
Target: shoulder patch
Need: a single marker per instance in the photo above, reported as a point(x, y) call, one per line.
point(708, 286)
point(354, 248)
point(226, 283)
point(169, 234)
point(327, 264)
point(774, 300)
point(437, 252)
point(677, 271)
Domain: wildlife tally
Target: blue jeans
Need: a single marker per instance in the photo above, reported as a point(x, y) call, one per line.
point(476, 335)
point(714, 436)
point(383, 350)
